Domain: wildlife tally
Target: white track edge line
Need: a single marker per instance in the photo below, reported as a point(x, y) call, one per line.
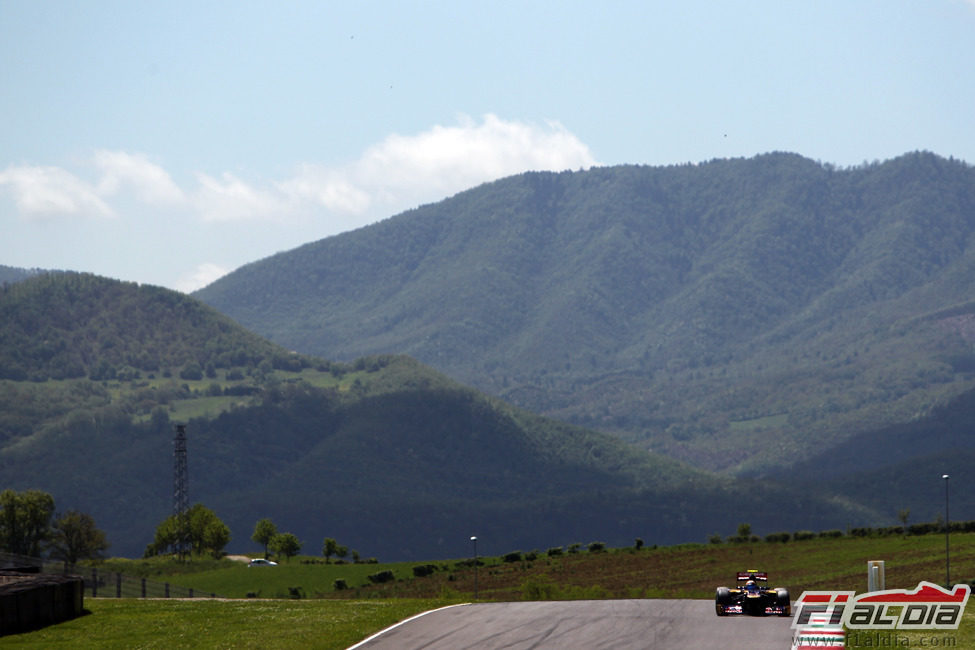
point(403, 622)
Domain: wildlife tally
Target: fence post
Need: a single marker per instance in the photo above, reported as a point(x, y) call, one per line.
point(118, 585)
point(94, 582)
point(143, 587)
point(167, 590)
point(191, 592)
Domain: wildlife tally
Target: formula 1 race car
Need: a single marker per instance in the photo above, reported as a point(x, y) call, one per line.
point(752, 596)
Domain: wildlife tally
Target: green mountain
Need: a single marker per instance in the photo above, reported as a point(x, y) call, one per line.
point(739, 315)
point(385, 454)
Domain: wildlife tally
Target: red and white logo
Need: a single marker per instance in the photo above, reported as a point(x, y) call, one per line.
point(925, 608)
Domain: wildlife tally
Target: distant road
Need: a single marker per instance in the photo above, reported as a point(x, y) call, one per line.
point(566, 625)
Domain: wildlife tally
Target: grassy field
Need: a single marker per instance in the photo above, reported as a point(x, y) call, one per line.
point(203, 405)
point(686, 571)
point(328, 618)
point(693, 571)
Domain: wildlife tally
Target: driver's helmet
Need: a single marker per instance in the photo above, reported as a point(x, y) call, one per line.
point(751, 586)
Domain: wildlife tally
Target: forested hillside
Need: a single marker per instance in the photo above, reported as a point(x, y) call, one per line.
point(71, 325)
point(389, 456)
point(737, 314)
point(10, 274)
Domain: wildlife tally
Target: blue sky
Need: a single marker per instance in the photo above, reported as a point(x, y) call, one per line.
point(171, 142)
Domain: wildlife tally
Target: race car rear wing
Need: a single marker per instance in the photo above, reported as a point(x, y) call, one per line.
point(758, 576)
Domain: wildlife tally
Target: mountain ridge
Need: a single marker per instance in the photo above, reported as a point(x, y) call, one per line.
point(671, 306)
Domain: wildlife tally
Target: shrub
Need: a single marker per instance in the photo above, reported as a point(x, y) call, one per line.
point(801, 535)
point(778, 537)
point(513, 556)
point(554, 551)
point(597, 547)
point(833, 533)
point(423, 570)
point(924, 529)
point(340, 584)
point(539, 588)
point(381, 577)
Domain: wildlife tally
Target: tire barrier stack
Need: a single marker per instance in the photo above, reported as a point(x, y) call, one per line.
point(32, 601)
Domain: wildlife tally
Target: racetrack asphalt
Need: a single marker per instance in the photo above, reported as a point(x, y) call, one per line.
point(566, 625)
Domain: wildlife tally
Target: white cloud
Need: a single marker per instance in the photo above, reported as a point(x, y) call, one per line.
point(316, 200)
point(404, 170)
point(400, 172)
point(200, 277)
point(51, 191)
point(230, 199)
point(469, 153)
point(331, 188)
point(151, 183)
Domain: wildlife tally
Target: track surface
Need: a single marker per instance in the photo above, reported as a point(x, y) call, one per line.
point(586, 624)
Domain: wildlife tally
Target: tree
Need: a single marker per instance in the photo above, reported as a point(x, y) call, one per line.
point(329, 548)
point(286, 544)
point(25, 521)
point(264, 532)
point(206, 533)
point(167, 533)
point(744, 533)
point(75, 537)
point(904, 515)
point(216, 535)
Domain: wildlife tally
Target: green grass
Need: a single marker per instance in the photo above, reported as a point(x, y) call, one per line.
point(233, 579)
point(207, 406)
point(325, 624)
point(685, 571)
point(314, 580)
point(330, 619)
point(759, 424)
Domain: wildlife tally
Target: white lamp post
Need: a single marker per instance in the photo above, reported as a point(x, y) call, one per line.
point(947, 531)
point(474, 539)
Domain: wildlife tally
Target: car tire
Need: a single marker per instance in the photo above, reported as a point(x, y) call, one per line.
point(782, 600)
point(722, 598)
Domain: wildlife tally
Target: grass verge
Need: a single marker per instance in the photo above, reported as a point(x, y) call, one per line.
point(130, 623)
